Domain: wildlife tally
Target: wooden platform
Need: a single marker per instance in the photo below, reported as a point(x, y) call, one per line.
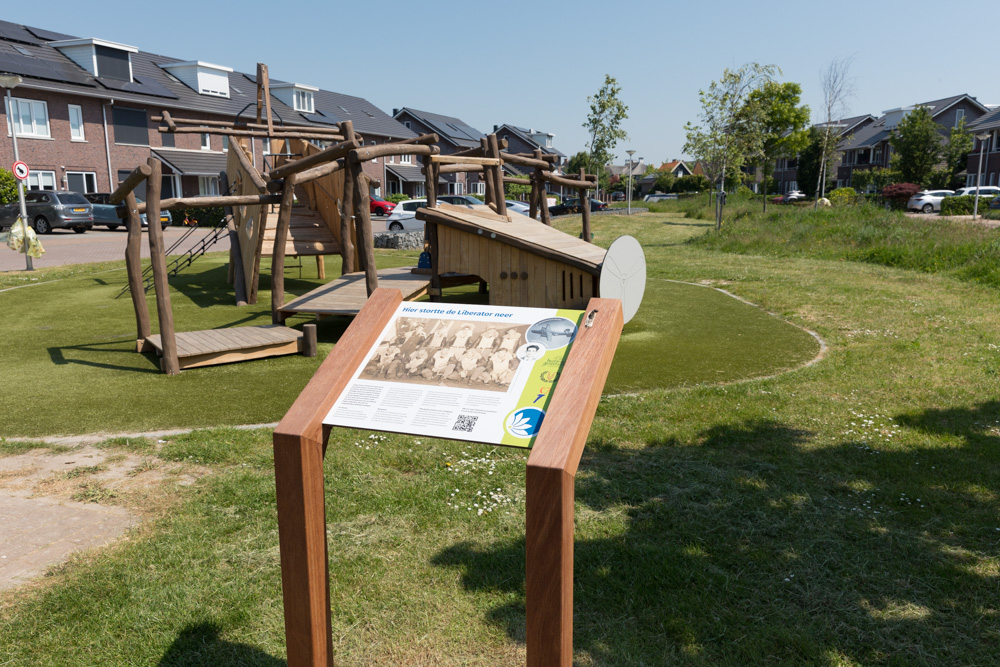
point(224, 346)
point(347, 294)
point(307, 235)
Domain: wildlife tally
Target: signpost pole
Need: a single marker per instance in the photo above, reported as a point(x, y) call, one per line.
point(20, 182)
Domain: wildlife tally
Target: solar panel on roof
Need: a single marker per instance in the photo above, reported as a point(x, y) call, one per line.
point(16, 33)
point(47, 35)
point(149, 86)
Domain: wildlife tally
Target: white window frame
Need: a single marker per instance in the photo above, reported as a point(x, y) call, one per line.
point(392, 159)
point(478, 188)
point(419, 190)
point(959, 115)
point(38, 110)
point(206, 141)
point(266, 150)
point(405, 159)
point(303, 101)
point(208, 186)
point(89, 178)
point(79, 134)
point(225, 143)
point(34, 181)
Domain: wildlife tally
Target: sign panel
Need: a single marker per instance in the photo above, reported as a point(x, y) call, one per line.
point(460, 372)
point(20, 170)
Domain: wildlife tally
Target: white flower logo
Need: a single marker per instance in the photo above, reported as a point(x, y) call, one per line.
point(524, 423)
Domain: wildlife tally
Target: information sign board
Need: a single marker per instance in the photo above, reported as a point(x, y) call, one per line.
point(478, 373)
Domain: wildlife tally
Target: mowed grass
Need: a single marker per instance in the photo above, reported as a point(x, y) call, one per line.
point(76, 370)
point(842, 513)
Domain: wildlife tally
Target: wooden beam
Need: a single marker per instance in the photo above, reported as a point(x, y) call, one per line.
point(235, 250)
point(168, 120)
point(585, 208)
point(526, 161)
point(501, 201)
point(309, 133)
point(319, 171)
point(133, 265)
point(549, 484)
point(431, 138)
point(131, 182)
point(164, 312)
point(264, 86)
point(383, 150)
point(335, 152)
point(349, 260)
point(455, 168)
point(363, 225)
point(568, 182)
point(478, 151)
point(210, 202)
point(248, 167)
point(239, 125)
point(430, 172)
point(452, 159)
point(278, 254)
point(538, 155)
point(515, 180)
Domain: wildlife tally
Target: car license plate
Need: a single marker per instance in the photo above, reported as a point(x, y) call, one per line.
point(79, 210)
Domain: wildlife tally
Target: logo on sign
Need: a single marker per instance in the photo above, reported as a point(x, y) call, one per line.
point(524, 423)
point(20, 170)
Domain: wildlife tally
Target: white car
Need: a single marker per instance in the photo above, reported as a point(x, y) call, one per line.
point(928, 201)
point(517, 206)
point(984, 191)
point(403, 217)
point(795, 195)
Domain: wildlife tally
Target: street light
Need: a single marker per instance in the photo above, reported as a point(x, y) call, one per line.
point(982, 136)
point(8, 82)
point(630, 152)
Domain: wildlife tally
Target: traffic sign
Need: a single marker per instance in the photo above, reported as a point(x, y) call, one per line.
point(20, 170)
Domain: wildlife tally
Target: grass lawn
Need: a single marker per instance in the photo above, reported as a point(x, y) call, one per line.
point(841, 513)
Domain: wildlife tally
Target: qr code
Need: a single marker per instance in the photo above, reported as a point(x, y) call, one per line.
point(465, 423)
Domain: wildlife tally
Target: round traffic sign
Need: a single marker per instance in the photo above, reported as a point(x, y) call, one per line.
point(20, 170)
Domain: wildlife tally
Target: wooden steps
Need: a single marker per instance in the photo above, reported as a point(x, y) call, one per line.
point(307, 235)
point(224, 346)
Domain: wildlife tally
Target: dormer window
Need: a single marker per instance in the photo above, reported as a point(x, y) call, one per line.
point(296, 95)
point(204, 78)
point(100, 57)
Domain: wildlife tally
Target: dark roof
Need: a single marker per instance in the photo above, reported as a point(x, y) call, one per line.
point(937, 106)
point(192, 163)
point(875, 133)
point(525, 135)
point(408, 174)
point(988, 121)
point(454, 130)
point(24, 51)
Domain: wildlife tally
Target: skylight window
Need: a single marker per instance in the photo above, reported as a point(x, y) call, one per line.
point(304, 101)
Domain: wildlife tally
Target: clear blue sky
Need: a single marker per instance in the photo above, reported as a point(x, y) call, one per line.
point(492, 63)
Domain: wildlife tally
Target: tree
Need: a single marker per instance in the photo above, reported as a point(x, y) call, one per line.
point(692, 183)
point(607, 112)
point(665, 182)
point(811, 163)
point(8, 187)
point(956, 154)
point(579, 161)
point(874, 179)
point(916, 141)
point(837, 88)
point(731, 122)
point(784, 128)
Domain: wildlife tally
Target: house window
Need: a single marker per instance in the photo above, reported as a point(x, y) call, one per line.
point(406, 124)
point(405, 159)
point(418, 190)
point(455, 188)
point(167, 139)
point(31, 118)
point(208, 186)
point(372, 142)
point(42, 180)
point(83, 182)
point(479, 188)
point(959, 115)
point(267, 145)
point(225, 142)
point(206, 142)
point(76, 123)
point(130, 126)
point(304, 101)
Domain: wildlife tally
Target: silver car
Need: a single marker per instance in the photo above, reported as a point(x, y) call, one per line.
point(928, 201)
point(48, 209)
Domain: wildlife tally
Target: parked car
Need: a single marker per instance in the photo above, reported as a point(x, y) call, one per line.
point(106, 213)
point(659, 197)
point(794, 195)
point(617, 196)
point(379, 206)
point(517, 206)
point(984, 191)
point(573, 206)
point(460, 200)
point(403, 217)
point(928, 201)
point(48, 209)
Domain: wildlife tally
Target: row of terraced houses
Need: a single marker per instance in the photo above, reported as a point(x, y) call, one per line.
point(863, 141)
point(84, 106)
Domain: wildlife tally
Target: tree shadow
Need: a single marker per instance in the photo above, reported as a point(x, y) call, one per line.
point(749, 544)
point(199, 644)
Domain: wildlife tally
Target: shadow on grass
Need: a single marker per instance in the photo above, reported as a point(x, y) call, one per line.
point(199, 644)
point(745, 546)
point(59, 358)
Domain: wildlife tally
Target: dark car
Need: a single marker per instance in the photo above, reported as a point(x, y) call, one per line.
point(379, 206)
point(106, 213)
point(48, 209)
point(617, 196)
point(569, 206)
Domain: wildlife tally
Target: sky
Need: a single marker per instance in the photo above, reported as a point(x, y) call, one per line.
point(533, 64)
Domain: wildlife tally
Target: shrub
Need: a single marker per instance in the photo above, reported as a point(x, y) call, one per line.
point(843, 197)
point(898, 194)
point(398, 197)
point(8, 187)
point(963, 205)
point(206, 217)
point(743, 192)
point(692, 183)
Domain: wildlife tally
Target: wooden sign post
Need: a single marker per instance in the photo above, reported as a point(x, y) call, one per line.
point(300, 441)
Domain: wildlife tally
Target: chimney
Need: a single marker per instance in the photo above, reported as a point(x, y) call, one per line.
point(496, 127)
point(395, 111)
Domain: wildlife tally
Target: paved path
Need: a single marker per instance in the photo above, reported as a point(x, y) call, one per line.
point(100, 244)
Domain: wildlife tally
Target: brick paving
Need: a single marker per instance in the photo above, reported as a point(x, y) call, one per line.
point(64, 247)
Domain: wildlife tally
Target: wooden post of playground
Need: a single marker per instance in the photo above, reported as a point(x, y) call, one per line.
point(236, 276)
point(165, 315)
point(133, 266)
point(348, 263)
point(497, 176)
point(278, 255)
point(585, 205)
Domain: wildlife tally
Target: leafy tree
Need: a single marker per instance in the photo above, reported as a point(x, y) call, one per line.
point(876, 179)
point(607, 112)
point(956, 155)
point(899, 193)
point(811, 161)
point(692, 183)
point(665, 182)
point(517, 191)
point(731, 124)
point(916, 141)
point(579, 161)
point(8, 187)
point(837, 87)
point(785, 123)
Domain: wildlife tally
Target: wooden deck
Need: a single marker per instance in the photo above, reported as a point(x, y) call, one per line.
point(347, 294)
point(224, 346)
point(307, 235)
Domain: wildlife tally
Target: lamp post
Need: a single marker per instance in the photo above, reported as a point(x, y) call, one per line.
point(982, 136)
point(630, 152)
point(8, 82)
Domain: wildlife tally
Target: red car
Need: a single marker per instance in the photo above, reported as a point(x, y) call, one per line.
point(379, 206)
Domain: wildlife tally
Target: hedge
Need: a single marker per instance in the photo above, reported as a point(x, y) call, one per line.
point(963, 205)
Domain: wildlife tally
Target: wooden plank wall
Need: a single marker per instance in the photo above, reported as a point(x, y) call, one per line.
point(326, 194)
point(549, 284)
point(249, 220)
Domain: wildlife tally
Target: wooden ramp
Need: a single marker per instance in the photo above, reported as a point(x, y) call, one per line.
point(308, 234)
point(347, 294)
point(224, 346)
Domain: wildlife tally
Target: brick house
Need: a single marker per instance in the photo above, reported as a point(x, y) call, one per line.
point(454, 135)
point(786, 174)
point(526, 140)
point(869, 148)
point(82, 113)
point(988, 151)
